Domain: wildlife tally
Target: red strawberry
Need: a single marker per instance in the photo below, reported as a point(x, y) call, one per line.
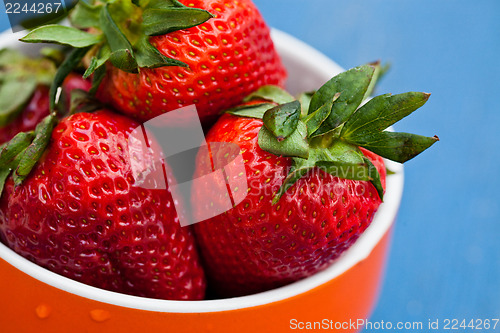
point(301, 212)
point(215, 53)
point(228, 56)
point(75, 81)
point(258, 246)
point(38, 107)
point(80, 213)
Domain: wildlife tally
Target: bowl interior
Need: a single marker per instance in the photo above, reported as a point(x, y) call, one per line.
point(308, 69)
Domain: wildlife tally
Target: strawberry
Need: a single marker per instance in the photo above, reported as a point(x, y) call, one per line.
point(31, 79)
point(80, 212)
point(164, 55)
point(315, 178)
point(73, 82)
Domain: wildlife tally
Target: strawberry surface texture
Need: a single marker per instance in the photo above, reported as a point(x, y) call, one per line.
point(81, 214)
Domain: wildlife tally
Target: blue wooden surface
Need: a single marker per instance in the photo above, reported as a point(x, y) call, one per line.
point(445, 258)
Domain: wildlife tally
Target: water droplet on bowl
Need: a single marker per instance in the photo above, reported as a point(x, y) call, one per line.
point(100, 315)
point(43, 311)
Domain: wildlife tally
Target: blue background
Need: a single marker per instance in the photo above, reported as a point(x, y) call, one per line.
point(445, 257)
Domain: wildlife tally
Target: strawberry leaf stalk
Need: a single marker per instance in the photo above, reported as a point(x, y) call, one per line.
point(329, 133)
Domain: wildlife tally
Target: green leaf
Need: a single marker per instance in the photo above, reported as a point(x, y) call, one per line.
point(381, 112)
point(337, 151)
point(164, 4)
point(149, 57)
point(316, 119)
point(283, 119)
point(14, 147)
point(15, 93)
point(251, 111)
point(305, 101)
point(375, 178)
point(345, 170)
point(35, 150)
point(94, 64)
point(341, 160)
point(295, 145)
point(398, 147)
point(389, 172)
point(300, 169)
point(4, 174)
point(11, 153)
point(82, 101)
point(69, 64)
point(117, 41)
point(32, 22)
point(352, 85)
point(165, 20)
point(346, 161)
point(121, 56)
point(99, 75)
point(97, 61)
point(98, 68)
point(85, 15)
point(124, 60)
point(380, 71)
point(364, 171)
point(270, 93)
point(373, 83)
point(63, 35)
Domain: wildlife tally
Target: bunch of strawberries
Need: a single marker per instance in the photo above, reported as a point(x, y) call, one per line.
point(71, 202)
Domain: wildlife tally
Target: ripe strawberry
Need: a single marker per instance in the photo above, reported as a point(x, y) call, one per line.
point(228, 57)
point(257, 246)
point(81, 214)
point(313, 183)
point(75, 81)
point(215, 53)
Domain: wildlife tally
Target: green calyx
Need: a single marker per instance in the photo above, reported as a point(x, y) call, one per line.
point(326, 129)
point(19, 77)
point(118, 31)
point(20, 155)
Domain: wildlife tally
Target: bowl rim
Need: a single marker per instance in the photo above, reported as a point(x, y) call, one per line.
point(384, 218)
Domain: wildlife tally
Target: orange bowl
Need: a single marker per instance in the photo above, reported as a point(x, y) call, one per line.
point(337, 298)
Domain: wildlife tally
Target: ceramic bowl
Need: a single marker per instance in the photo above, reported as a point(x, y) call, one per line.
point(34, 299)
